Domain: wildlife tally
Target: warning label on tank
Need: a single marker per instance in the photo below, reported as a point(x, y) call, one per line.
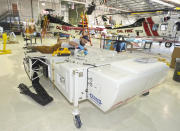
point(95, 99)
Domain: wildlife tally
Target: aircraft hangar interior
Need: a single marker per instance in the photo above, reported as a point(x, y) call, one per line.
point(90, 65)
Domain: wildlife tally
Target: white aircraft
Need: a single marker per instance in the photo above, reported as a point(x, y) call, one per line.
point(152, 29)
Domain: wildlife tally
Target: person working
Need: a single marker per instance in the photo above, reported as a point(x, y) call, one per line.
point(76, 43)
point(120, 44)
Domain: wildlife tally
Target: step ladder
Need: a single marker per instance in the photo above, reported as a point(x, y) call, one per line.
point(85, 25)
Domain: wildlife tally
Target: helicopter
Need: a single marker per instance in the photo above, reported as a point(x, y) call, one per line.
point(158, 28)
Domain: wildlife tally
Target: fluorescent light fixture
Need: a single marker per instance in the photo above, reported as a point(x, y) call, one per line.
point(43, 4)
point(175, 1)
point(163, 3)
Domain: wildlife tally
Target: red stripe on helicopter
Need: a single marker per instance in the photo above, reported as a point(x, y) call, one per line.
point(146, 28)
point(151, 23)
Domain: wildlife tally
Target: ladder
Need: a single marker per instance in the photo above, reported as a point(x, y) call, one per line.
point(45, 26)
point(85, 26)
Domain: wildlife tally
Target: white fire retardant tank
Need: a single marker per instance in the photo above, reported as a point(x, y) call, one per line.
point(114, 84)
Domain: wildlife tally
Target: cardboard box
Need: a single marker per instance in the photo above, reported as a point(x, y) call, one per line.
point(175, 54)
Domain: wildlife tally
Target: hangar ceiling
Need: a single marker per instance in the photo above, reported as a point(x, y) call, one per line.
point(139, 5)
point(120, 6)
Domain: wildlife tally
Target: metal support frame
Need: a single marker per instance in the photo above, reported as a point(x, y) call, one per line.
point(76, 93)
point(150, 45)
point(28, 66)
point(30, 38)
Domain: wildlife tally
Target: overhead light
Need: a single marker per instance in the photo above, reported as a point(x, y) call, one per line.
point(175, 1)
point(43, 4)
point(163, 3)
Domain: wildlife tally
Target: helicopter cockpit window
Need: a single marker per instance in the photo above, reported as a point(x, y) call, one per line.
point(164, 27)
point(155, 27)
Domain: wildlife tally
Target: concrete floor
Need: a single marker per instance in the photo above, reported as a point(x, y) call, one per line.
point(160, 111)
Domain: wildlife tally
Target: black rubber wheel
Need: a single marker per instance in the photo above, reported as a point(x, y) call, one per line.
point(77, 121)
point(145, 94)
point(168, 44)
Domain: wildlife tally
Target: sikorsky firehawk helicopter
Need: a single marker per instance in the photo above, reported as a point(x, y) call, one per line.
point(159, 28)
